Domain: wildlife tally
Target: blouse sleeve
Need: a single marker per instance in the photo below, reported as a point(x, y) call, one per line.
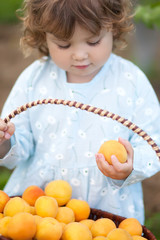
point(22, 142)
point(146, 115)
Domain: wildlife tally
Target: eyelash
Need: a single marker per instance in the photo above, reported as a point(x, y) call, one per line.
point(94, 43)
point(89, 43)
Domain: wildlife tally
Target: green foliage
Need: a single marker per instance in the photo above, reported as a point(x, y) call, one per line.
point(152, 223)
point(8, 10)
point(4, 176)
point(148, 12)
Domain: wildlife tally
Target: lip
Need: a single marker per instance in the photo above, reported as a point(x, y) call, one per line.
point(81, 66)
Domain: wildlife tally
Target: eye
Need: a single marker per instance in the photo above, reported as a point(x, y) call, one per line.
point(63, 47)
point(94, 43)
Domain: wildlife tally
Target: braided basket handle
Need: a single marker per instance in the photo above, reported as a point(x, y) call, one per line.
point(92, 109)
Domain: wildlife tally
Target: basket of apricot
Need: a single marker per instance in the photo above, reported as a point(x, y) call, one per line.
point(52, 214)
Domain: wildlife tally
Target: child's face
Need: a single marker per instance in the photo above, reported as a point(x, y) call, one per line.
point(83, 55)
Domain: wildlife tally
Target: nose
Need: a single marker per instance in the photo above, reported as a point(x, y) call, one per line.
point(79, 55)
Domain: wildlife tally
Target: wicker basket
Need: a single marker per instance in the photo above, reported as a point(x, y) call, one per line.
point(95, 213)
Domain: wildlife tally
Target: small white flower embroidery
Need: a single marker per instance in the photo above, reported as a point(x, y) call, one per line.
point(53, 75)
point(71, 146)
point(64, 132)
point(82, 134)
point(123, 197)
point(121, 91)
point(128, 75)
point(104, 140)
point(75, 182)
point(149, 165)
point(29, 89)
point(92, 181)
point(69, 121)
point(85, 171)
point(52, 135)
point(105, 90)
point(148, 111)
point(40, 139)
point(41, 173)
point(64, 171)
point(131, 209)
point(43, 90)
point(51, 120)
point(104, 119)
point(129, 101)
point(89, 154)
point(53, 148)
point(46, 156)
point(140, 101)
point(59, 156)
point(104, 191)
point(116, 129)
point(71, 93)
point(40, 162)
point(38, 125)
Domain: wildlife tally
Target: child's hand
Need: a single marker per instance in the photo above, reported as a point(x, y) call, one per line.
point(6, 130)
point(117, 170)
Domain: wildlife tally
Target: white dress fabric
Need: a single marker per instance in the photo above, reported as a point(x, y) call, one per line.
point(60, 142)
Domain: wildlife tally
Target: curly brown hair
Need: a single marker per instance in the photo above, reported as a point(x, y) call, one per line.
point(60, 16)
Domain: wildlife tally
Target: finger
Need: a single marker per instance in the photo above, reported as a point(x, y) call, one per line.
point(128, 147)
point(116, 163)
point(3, 125)
point(10, 130)
point(1, 134)
point(103, 165)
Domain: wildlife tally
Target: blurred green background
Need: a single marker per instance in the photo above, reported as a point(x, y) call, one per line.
point(144, 51)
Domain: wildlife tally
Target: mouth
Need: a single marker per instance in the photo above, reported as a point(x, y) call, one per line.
point(82, 66)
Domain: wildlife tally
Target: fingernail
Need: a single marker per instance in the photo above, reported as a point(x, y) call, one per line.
point(7, 135)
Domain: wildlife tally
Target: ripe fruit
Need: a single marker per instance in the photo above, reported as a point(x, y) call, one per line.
point(22, 226)
point(48, 229)
point(131, 225)
point(60, 190)
point(136, 237)
point(46, 206)
point(80, 208)
point(119, 234)
point(100, 238)
point(31, 194)
point(102, 226)
point(113, 147)
point(16, 205)
point(76, 231)
point(65, 215)
point(4, 198)
point(87, 222)
point(4, 226)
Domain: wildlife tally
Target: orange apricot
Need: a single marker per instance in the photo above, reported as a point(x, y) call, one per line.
point(4, 198)
point(46, 206)
point(59, 189)
point(80, 208)
point(113, 147)
point(132, 225)
point(22, 226)
point(31, 194)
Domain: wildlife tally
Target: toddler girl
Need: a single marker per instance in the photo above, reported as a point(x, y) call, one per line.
point(76, 39)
